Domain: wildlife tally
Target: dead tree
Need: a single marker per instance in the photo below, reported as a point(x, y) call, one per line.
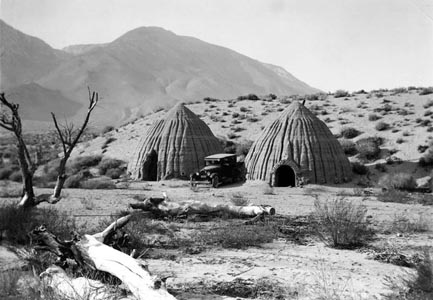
point(69, 137)
point(91, 252)
point(10, 120)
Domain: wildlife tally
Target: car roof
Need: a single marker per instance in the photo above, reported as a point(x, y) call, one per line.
point(219, 156)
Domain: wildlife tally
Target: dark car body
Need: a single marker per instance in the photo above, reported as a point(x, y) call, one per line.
point(219, 169)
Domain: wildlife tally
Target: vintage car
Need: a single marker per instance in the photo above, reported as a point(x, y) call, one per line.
point(219, 169)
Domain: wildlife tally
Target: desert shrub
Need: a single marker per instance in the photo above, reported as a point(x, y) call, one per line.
point(83, 162)
point(74, 181)
point(428, 104)
point(413, 286)
point(341, 223)
point(6, 172)
point(16, 223)
point(359, 168)
point(402, 223)
point(239, 237)
point(249, 97)
point(399, 181)
point(393, 195)
point(341, 93)
point(399, 90)
point(349, 132)
point(373, 117)
point(368, 148)
point(16, 176)
point(426, 91)
point(114, 173)
point(400, 141)
point(98, 184)
point(427, 159)
point(252, 119)
point(243, 109)
point(380, 126)
point(109, 163)
point(348, 146)
point(107, 129)
point(232, 136)
point(235, 114)
point(243, 148)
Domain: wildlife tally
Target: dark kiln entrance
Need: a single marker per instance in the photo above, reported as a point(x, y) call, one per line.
point(150, 167)
point(285, 176)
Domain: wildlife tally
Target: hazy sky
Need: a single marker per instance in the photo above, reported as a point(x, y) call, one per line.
point(330, 44)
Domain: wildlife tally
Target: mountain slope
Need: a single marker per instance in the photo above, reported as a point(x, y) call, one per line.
point(24, 58)
point(142, 70)
point(37, 102)
point(150, 67)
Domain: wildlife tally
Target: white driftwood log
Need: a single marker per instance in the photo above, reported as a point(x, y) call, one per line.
point(104, 258)
point(90, 250)
point(164, 207)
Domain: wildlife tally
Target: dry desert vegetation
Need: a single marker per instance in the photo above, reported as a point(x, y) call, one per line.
point(369, 238)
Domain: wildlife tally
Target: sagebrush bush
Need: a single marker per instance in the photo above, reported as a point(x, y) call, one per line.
point(380, 126)
point(342, 223)
point(243, 148)
point(114, 173)
point(373, 117)
point(84, 162)
point(74, 181)
point(359, 168)
point(109, 163)
point(368, 148)
point(5, 172)
point(399, 181)
point(16, 176)
point(349, 132)
point(239, 237)
point(98, 184)
point(341, 93)
point(426, 91)
point(16, 223)
point(348, 146)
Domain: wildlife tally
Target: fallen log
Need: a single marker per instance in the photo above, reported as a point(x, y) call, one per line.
point(164, 207)
point(91, 252)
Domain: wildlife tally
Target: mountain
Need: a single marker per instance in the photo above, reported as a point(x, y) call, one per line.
point(36, 102)
point(142, 70)
point(24, 58)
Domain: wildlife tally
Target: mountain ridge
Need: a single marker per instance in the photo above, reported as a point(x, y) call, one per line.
point(150, 67)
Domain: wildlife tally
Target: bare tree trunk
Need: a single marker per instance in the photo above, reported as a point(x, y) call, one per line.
point(28, 195)
point(90, 251)
point(61, 178)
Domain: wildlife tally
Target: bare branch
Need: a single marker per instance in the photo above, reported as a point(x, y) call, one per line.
point(59, 132)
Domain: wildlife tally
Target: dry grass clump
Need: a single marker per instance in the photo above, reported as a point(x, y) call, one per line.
point(359, 168)
point(349, 132)
point(413, 286)
point(98, 184)
point(373, 117)
point(368, 148)
point(380, 126)
point(399, 181)
point(426, 91)
point(341, 93)
point(16, 223)
point(402, 223)
point(239, 237)
point(342, 223)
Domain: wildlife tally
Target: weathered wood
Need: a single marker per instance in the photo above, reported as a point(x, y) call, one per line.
point(91, 252)
point(141, 284)
point(162, 207)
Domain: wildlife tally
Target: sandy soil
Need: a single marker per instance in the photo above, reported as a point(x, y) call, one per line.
point(304, 270)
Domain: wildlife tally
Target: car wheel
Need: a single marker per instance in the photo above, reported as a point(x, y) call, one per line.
point(215, 181)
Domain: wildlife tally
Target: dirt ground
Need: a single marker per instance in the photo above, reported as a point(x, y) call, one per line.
point(305, 271)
